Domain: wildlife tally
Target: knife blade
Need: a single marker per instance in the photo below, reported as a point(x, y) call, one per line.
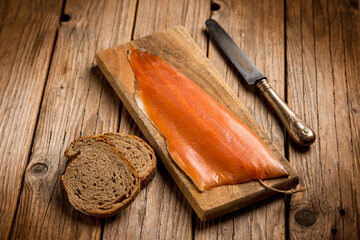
point(242, 63)
point(296, 127)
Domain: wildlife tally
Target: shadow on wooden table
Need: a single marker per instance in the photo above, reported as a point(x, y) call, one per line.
point(225, 226)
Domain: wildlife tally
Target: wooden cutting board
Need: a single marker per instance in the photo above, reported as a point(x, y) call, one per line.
point(179, 49)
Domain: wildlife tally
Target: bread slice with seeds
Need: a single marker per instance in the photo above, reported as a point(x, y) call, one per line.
point(99, 181)
point(140, 155)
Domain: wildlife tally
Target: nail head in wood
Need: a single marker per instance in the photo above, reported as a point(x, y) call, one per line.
point(215, 7)
point(65, 18)
point(342, 212)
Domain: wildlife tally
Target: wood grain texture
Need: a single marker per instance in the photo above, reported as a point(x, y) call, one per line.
point(262, 39)
point(27, 34)
point(177, 47)
point(321, 57)
point(77, 101)
point(161, 209)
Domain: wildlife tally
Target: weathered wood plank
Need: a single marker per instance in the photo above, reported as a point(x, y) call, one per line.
point(346, 98)
point(319, 59)
point(161, 210)
point(27, 34)
point(77, 101)
point(350, 21)
point(350, 30)
point(262, 39)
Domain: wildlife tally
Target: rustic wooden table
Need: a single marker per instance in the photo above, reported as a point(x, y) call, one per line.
point(51, 92)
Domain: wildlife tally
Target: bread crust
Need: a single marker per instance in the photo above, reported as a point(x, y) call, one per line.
point(151, 173)
point(72, 156)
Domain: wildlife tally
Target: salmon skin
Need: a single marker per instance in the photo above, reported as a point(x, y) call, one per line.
point(207, 141)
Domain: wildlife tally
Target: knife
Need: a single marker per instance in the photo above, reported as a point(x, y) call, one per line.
point(296, 127)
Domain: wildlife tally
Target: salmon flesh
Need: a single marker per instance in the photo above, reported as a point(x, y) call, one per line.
point(210, 144)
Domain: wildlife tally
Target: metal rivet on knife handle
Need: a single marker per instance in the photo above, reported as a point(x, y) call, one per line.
point(296, 127)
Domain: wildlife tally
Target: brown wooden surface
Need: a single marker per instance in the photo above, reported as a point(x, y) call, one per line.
point(27, 40)
point(314, 65)
point(161, 209)
point(238, 18)
point(323, 80)
point(77, 102)
point(178, 49)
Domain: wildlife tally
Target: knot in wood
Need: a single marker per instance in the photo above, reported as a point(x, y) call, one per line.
point(39, 168)
point(305, 218)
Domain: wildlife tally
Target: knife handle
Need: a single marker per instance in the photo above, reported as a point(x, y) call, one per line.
point(296, 127)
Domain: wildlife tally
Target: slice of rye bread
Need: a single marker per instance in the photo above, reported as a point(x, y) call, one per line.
point(137, 152)
point(99, 181)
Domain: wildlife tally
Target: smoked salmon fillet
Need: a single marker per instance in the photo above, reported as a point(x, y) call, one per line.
point(206, 140)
